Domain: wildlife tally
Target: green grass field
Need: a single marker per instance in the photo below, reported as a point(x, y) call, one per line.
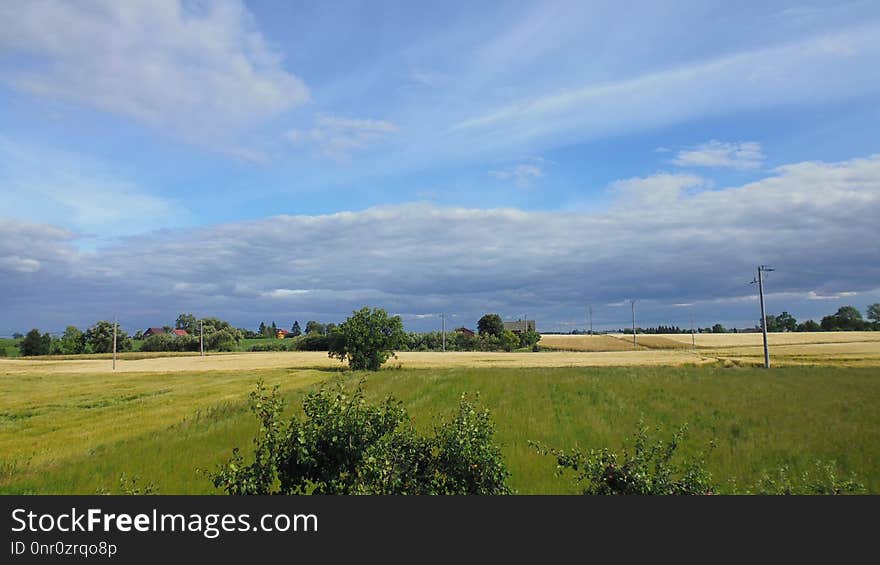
point(78, 433)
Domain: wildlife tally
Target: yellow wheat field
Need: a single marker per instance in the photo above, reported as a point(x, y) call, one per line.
point(785, 338)
point(839, 348)
point(319, 360)
point(586, 343)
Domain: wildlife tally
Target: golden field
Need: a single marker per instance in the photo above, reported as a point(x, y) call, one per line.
point(836, 348)
point(852, 349)
point(320, 360)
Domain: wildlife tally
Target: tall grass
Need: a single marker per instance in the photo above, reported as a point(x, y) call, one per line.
point(80, 433)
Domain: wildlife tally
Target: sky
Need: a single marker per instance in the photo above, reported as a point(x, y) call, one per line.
point(280, 161)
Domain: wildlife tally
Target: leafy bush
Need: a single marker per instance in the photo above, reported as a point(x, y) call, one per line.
point(647, 468)
point(345, 445)
point(170, 342)
point(313, 341)
point(824, 480)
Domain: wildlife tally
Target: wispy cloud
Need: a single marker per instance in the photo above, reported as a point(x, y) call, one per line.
point(193, 69)
point(740, 82)
point(738, 155)
point(522, 175)
point(59, 187)
point(337, 137)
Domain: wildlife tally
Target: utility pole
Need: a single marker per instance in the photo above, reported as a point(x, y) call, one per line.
point(201, 338)
point(443, 329)
point(591, 320)
point(115, 323)
point(760, 280)
point(632, 304)
point(693, 337)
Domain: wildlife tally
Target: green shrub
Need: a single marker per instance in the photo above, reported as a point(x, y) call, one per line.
point(823, 479)
point(345, 445)
point(646, 468)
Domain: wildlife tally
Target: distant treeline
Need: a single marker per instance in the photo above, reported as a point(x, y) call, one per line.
point(220, 335)
point(847, 318)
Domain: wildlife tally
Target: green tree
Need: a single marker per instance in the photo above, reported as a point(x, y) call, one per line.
point(220, 335)
point(367, 339)
point(784, 322)
point(490, 324)
point(313, 327)
point(509, 340)
point(345, 445)
point(99, 338)
point(718, 329)
point(187, 322)
point(809, 326)
point(529, 339)
point(35, 343)
point(264, 331)
point(873, 312)
point(847, 318)
point(73, 341)
point(296, 331)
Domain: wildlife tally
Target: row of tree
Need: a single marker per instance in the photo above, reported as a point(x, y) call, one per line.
point(847, 318)
point(321, 337)
point(219, 335)
point(96, 339)
point(313, 327)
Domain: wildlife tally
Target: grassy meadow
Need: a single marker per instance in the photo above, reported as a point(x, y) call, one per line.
point(78, 432)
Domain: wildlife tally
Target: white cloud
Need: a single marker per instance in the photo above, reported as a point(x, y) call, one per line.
point(19, 264)
point(522, 175)
point(741, 155)
point(814, 222)
point(284, 292)
point(659, 189)
point(196, 69)
point(337, 137)
point(46, 185)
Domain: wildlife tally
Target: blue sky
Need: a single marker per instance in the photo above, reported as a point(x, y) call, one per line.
point(527, 158)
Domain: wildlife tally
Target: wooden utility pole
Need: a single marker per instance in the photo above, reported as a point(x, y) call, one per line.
point(443, 329)
point(591, 320)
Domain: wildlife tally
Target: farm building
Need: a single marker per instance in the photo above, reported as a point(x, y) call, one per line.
point(179, 332)
point(520, 326)
point(465, 331)
point(282, 334)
